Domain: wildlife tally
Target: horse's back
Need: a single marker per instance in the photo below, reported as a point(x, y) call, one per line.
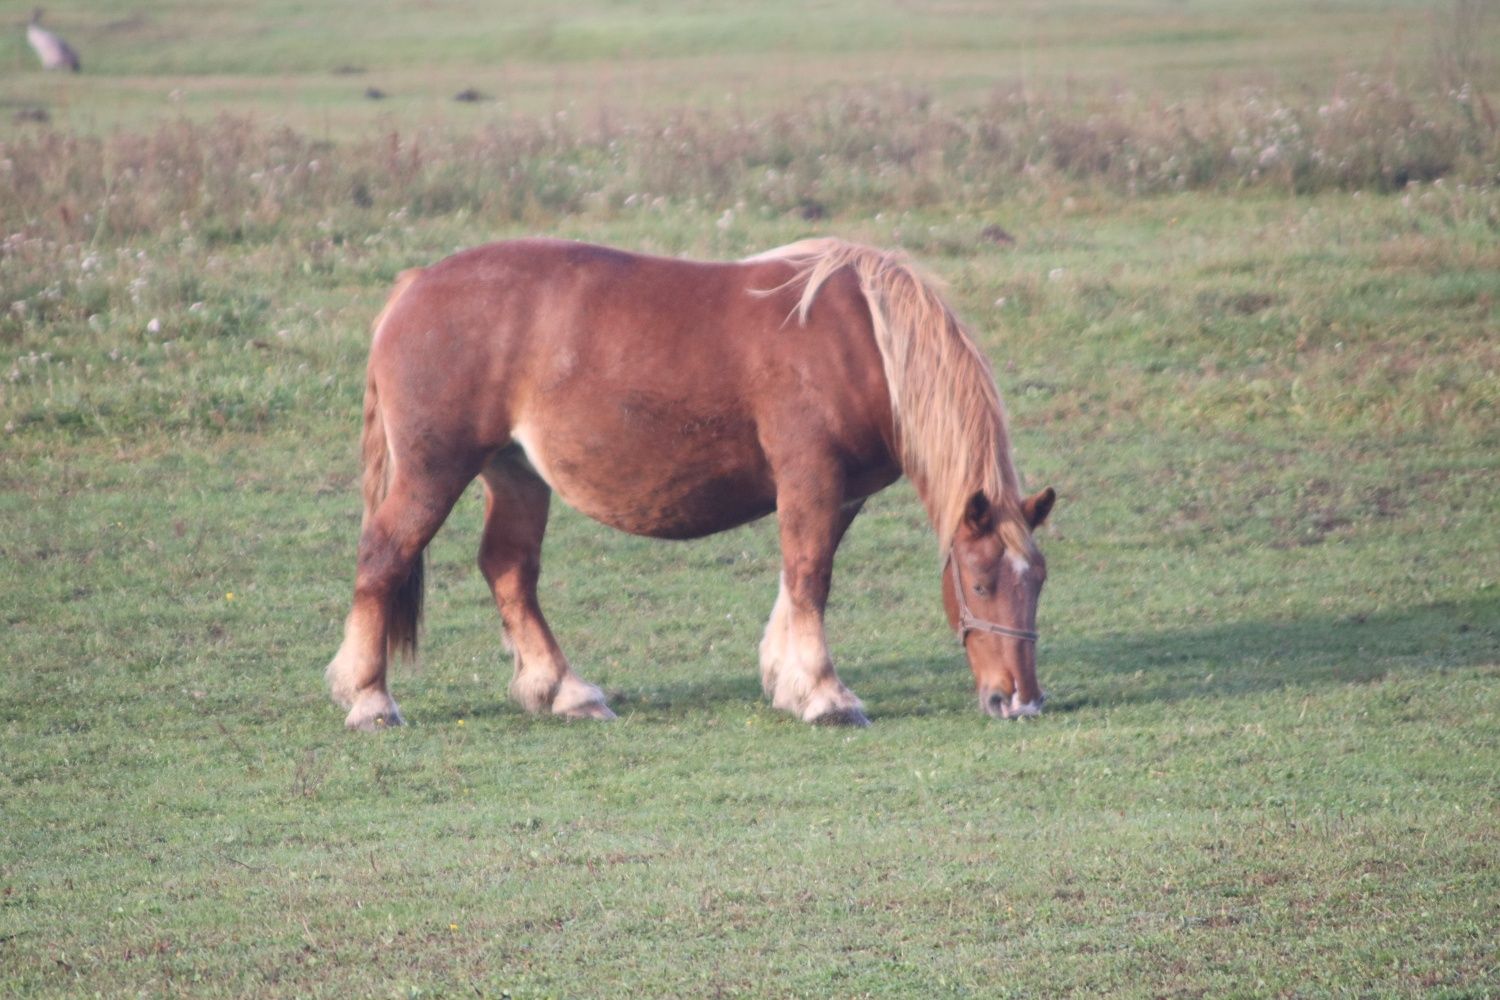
point(654, 394)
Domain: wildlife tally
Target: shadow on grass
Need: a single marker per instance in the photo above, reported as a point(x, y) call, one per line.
point(1236, 659)
point(648, 700)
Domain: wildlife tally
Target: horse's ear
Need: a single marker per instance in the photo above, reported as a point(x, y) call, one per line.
point(1039, 506)
point(979, 514)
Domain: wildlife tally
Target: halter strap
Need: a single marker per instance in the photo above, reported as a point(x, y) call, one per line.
point(968, 622)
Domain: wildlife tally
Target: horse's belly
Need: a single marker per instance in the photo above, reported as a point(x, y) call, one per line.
point(683, 478)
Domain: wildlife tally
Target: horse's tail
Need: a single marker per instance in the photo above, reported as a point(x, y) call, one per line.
point(405, 612)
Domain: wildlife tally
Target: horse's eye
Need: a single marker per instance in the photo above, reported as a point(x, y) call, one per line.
point(981, 590)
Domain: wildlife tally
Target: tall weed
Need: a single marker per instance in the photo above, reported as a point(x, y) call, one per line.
point(857, 152)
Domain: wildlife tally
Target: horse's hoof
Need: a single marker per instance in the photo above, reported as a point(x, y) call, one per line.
point(577, 699)
point(593, 710)
point(834, 708)
point(375, 724)
point(374, 715)
point(850, 716)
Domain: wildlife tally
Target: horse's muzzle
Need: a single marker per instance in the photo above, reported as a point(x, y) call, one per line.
point(999, 705)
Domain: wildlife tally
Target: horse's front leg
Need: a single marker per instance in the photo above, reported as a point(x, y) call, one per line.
point(796, 669)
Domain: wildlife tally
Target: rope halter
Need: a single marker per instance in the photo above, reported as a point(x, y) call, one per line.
point(969, 622)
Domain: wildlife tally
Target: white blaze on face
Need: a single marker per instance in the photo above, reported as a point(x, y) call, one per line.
point(1018, 563)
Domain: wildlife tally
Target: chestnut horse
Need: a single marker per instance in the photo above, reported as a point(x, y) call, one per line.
point(675, 399)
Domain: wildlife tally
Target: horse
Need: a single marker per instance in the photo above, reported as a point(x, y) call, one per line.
point(674, 399)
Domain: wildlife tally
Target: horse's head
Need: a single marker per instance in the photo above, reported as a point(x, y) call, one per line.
point(992, 583)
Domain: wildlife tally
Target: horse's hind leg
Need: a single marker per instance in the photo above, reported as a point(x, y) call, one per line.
point(389, 549)
point(796, 669)
point(515, 518)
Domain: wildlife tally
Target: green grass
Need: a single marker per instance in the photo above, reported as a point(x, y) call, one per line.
point(1271, 631)
point(310, 64)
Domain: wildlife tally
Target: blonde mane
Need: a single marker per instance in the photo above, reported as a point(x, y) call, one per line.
point(950, 423)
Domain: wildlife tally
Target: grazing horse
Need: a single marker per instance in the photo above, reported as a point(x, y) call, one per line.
point(675, 399)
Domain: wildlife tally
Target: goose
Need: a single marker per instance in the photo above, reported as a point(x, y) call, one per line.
point(49, 46)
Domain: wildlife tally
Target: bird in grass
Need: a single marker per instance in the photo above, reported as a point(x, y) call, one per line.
point(49, 46)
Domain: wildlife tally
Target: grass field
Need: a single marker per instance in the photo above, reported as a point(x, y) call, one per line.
point(310, 64)
point(1246, 321)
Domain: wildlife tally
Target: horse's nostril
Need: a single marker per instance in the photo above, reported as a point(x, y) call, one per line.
point(997, 701)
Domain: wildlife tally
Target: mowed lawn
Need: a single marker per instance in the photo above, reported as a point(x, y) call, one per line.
point(1271, 632)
